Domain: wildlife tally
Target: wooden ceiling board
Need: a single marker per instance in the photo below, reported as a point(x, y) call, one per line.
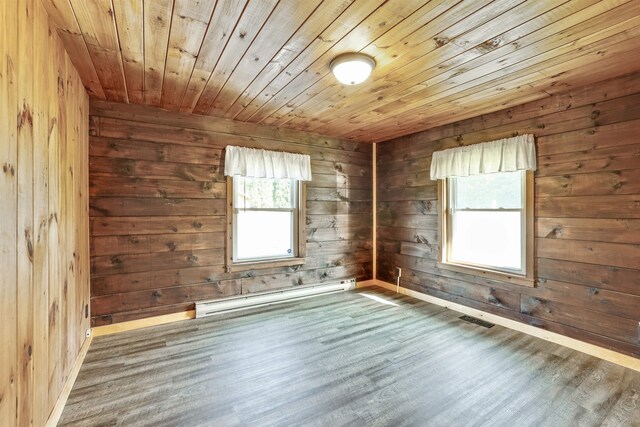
point(485, 65)
point(188, 27)
point(328, 11)
point(390, 75)
point(130, 23)
point(379, 22)
point(452, 68)
point(399, 36)
point(578, 52)
point(339, 27)
point(615, 62)
point(254, 17)
point(224, 20)
point(96, 21)
point(282, 24)
point(157, 24)
point(267, 61)
point(63, 17)
point(391, 86)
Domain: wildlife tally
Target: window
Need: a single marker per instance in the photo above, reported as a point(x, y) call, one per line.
point(265, 207)
point(487, 224)
point(266, 222)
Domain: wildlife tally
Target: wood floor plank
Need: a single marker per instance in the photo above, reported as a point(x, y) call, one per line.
point(368, 357)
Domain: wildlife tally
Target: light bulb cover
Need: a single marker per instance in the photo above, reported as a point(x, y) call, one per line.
point(352, 68)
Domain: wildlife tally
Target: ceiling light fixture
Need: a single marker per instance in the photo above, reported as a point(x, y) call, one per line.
point(352, 68)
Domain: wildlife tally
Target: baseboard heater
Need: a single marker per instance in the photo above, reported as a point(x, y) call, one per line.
point(208, 308)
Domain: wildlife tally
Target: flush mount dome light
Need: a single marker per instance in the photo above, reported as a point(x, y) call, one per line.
point(352, 68)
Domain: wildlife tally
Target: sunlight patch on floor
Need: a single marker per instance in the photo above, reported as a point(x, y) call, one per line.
point(378, 299)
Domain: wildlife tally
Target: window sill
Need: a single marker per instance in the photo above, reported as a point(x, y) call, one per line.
point(255, 265)
point(495, 275)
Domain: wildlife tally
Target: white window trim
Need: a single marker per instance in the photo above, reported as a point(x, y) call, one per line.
point(299, 255)
point(524, 277)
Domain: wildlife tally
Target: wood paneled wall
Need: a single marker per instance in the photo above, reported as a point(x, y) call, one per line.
point(44, 244)
point(158, 209)
point(587, 227)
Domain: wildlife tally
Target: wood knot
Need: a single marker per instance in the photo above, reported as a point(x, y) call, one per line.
point(460, 71)
point(172, 246)
point(156, 294)
point(489, 45)
point(25, 117)
point(421, 239)
point(555, 232)
point(29, 242)
point(197, 225)
point(9, 169)
point(595, 114)
point(192, 258)
point(441, 41)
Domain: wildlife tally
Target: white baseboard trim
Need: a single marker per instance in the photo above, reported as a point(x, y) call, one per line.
point(584, 347)
point(56, 412)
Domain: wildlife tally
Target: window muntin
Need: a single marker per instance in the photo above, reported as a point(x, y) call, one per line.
point(265, 219)
point(486, 223)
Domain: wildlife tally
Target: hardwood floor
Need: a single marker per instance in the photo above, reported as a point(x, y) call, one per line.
point(367, 357)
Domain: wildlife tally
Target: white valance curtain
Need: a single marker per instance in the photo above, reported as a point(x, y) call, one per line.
point(256, 163)
point(502, 155)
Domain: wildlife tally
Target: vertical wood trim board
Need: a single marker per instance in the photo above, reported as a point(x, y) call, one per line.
point(44, 285)
point(158, 203)
point(374, 173)
point(587, 222)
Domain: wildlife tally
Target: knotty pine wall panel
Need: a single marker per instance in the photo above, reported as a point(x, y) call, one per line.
point(158, 210)
point(44, 242)
point(587, 226)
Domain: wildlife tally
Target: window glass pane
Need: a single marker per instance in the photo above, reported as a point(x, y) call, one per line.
point(489, 191)
point(263, 234)
point(264, 193)
point(487, 238)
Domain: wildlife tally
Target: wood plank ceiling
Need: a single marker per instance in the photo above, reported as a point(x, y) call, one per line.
point(267, 61)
